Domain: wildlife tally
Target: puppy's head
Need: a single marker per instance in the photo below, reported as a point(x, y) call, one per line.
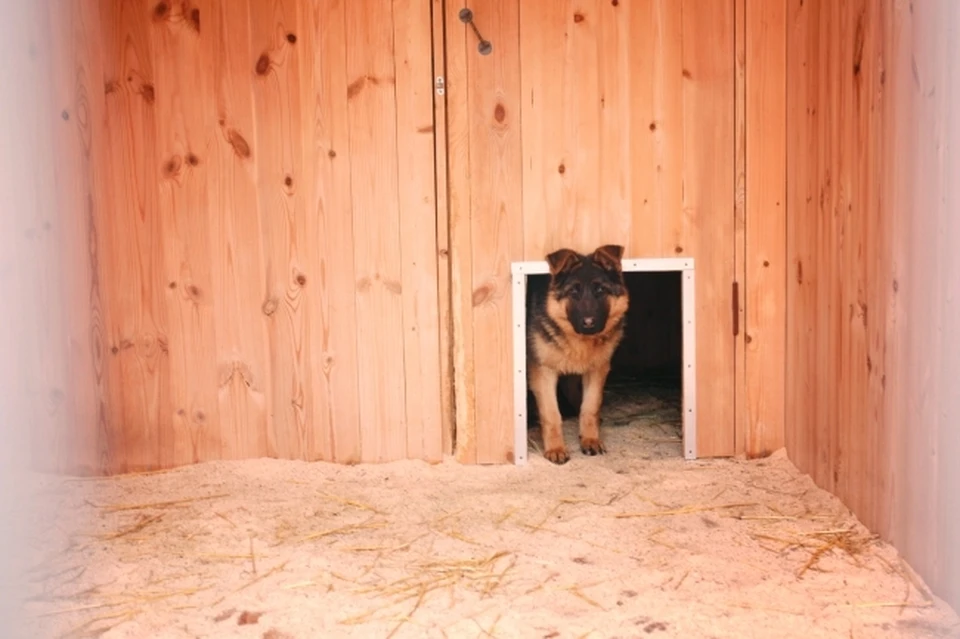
point(587, 291)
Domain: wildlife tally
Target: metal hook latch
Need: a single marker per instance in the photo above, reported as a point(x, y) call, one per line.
point(466, 17)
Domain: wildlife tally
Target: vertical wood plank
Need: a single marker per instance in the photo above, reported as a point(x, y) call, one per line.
point(416, 169)
point(497, 219)
point(706, 229)
point(183, 94)
point(580, 130)
point(546, 207)
point(461, 245)
point(140, 417)
point(765, 251)
point(376, 224)
point(440, 137)
point(659, 151)
point(741, 413)
point(74, 37)
point(324, 45)
point(284, 226)
point(34, 369)
point(802, 207)
point(871, 157)
point(611, 27)
point(243, 377)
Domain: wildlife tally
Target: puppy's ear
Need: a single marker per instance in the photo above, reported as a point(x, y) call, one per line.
point(608, 257)
point(562, 260)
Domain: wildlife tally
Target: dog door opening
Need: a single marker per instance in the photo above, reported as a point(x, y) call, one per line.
point(642, 406)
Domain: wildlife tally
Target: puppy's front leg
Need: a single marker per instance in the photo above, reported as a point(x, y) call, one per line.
point(543, 384)
point(593, 383)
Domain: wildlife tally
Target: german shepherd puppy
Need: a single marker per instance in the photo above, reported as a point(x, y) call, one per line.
point(574, 325)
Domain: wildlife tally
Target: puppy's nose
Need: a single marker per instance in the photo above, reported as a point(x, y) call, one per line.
point(588, 322)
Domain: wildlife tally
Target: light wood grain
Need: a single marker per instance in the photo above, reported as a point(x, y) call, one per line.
point(447, 377)
point(416, 170)
point(459, 190)
point(183, 85)
point(36, 252)
point(283, 225)
point(237, 254)
point(872, 201)
point(330, 205)
point(496, 219)
point(738, 307)
point(706, 229)
point(765, 250)
point(627, 133)
point(376, 226)
point(242, 252)
point(76, 445)
point(140, 420)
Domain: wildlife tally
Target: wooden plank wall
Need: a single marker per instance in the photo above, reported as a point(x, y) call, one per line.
point(34, 373)
point(246, 203)
point(873, 352)
point(760, 414)
point(590, 122)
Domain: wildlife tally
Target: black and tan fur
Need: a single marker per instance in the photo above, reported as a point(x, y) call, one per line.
point(574, 324)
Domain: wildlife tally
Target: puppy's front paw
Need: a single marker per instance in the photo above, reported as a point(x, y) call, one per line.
point(591, 446)
point(557, 455)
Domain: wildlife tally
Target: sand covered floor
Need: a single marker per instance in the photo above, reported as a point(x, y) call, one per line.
point(637, 543)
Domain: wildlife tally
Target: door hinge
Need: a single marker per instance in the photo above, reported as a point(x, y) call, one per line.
point(439, 85)
point(736, 308)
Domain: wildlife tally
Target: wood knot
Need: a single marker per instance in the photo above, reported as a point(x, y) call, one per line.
point(195, 19)
point(799, 272)
point(578, 17)
point(653, 126)
point(64, 115)
point(301, 279)
point(239, 144)
point(331, 154)
point(747, 338)
point(687, 74)
point(766, 263)
point(192, 159)
point(263, 64)
point(181, 412)
point(199, 416)
point(194, 292)
point(393, 286)
point(561, 169)
point(172, 166)
point(160, 11)
point(615, 3)
point(483, 294)
point(270, 307)
point(896, 286)
point(678, 249)
point(148, 93)
point(172, 285)
point(499, 113)
point(292, 38)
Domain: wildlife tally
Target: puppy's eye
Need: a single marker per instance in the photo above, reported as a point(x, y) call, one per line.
point(575, 290)
point(598, 289)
